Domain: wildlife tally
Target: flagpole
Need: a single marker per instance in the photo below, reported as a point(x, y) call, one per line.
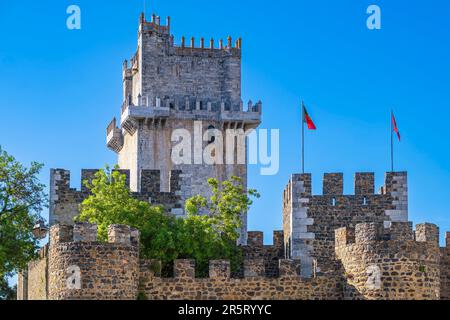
point(303, 137)
point(392, 143)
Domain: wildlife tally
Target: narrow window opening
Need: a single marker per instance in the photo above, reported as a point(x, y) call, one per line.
point(333, 202)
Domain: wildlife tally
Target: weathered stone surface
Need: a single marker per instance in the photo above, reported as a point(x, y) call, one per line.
point(391, 268)
point(370, 264)
point(309, 221)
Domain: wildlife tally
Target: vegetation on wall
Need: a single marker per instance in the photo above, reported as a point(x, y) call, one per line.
point(163, 236)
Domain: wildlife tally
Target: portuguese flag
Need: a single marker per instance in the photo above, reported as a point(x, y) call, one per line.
point(307, 119)
point(394, 126)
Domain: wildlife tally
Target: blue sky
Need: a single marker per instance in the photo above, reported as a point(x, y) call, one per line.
point(59, 88)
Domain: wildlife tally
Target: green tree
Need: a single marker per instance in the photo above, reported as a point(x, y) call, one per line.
point(224, 210)
point(164, 236)
point(228, 202)
point(21, 199)
point(7, 292)
point(111, 202)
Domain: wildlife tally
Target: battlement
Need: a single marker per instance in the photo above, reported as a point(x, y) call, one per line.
point(310, 220)
point(370, 233)
point(364, 183)
point(150, 179)
point(155, 111)
point(390, 261)
point(154, 25)
point(255, 239)
point(185, 47)
point(113, 271)
point(223, 49)
point(81, 234)
point(87, 233)
point(162, 106)
point(64, 200)
point(220, 269)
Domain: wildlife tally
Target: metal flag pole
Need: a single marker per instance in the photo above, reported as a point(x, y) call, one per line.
point(303, 137)
point(392, 142)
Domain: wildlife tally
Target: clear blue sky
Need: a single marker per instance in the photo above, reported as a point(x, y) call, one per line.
point(59, 89)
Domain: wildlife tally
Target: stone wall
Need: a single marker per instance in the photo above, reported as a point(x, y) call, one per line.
point(269, 254)
point(22, 285)
point(309, 220)
point(65, 201)
point(38, 277)
point(82, 269)
point(219, 285)
point(445, 269)
point(32, 283)
point(372, 262)
point(389, 263)
point(111, 271)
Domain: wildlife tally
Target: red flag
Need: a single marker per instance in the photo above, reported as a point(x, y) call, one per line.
point(307, 119)
point(394, 127)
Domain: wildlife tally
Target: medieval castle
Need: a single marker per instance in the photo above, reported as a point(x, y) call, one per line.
point(333, 246)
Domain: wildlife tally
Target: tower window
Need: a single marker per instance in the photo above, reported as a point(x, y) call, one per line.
point(333, 202)
point(364, 201)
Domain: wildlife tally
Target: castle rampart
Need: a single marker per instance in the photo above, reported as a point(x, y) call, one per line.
point(372, 261)
point(65, 201)
point(82, 268)
point(309, 220)
point(254, 285)
point(390, 263)
point(78, 267)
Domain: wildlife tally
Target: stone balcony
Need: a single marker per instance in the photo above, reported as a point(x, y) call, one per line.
point(114, 137)
point(198, 111)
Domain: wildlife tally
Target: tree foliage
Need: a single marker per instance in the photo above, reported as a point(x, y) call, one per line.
point(21, 199)
point(7, 292)
point(164, 236)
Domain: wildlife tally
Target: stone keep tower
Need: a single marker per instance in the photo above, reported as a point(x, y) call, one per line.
point(168, 87)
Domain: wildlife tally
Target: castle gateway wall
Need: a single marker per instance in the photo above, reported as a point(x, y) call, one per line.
point(372, 262)
point(309, 221)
